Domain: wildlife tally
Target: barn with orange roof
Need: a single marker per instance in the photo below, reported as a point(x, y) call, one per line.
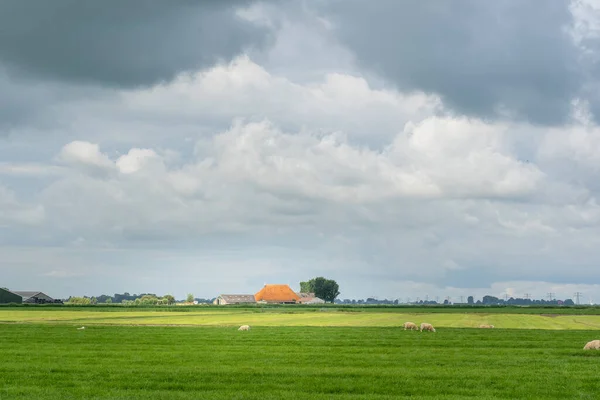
point(279, 294)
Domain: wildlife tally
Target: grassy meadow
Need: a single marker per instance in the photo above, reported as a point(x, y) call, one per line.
point(133, 362)
point(302, 354)
point(289, 316)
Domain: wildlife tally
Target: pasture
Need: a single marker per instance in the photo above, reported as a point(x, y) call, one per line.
point(310, 354)
point(133, 362)
point(289, 316)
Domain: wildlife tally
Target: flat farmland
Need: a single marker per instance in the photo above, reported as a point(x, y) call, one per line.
point(319, 353)
point(57, 361)
point(287, 316)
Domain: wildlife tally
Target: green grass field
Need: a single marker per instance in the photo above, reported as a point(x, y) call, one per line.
point(302, 354)
point(125, 362)
point(295, 317)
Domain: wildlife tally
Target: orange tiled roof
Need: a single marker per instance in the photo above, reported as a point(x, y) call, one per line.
point(276, 293)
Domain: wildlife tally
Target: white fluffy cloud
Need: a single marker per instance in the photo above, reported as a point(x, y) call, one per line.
point(137, 160)
point(434, 159)
point(86, 155)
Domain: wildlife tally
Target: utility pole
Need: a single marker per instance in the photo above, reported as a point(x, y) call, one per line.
point(527, 296)
point(505, 297)
point(437, 299)
point(408, 300)
point(550, 296)
point(577, 296)
point(462, 299)
point(426, 297)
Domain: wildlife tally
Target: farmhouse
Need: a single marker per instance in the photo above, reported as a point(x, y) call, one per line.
point(277, 294)
point(309, 298)
point(224, 299)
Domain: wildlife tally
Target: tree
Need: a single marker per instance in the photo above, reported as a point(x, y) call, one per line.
point(326, 289)
point(305, 287)
point(108, 301)
point(148, 299)
point(470, 300)
point(490, 300)
point(190, 298)
point(78, 300)
point(170, 299)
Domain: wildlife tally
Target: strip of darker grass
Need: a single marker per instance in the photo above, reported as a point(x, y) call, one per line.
point(105, 362)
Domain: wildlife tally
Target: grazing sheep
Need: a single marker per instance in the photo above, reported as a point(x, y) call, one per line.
point(410, 326)
point(80, 329)
point(593, 345)
point(427, 327)
point(244, 328)
point(486, 326)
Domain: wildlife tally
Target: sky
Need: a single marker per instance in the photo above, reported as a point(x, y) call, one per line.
point(402, 148)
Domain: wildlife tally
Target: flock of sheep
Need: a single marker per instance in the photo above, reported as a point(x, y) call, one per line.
point(593, 345)
point(424, 327)
point(428, 327)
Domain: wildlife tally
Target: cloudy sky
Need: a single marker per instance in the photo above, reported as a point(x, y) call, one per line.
point(402, 148)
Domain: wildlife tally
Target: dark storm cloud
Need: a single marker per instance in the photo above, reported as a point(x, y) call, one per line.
point(480, 56)
point(121, 43)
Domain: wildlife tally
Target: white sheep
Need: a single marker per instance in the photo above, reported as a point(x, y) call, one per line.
point(486, 326)
point(244, 328)
point(410, 326)
point(593, 345)
point(427, 327)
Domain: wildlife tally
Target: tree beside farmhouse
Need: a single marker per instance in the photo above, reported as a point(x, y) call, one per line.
point(326, 289)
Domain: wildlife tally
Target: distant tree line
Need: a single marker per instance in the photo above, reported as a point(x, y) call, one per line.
point(369, 300)
point(125, 298)
point(491, 300)
point(486, 300)
point(202, 300)
point(134, 299)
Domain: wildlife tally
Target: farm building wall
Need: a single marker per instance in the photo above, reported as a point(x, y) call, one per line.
point(7, 297)
point(219, 301)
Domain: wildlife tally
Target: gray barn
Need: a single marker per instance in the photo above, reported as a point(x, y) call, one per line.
point(33, 296)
